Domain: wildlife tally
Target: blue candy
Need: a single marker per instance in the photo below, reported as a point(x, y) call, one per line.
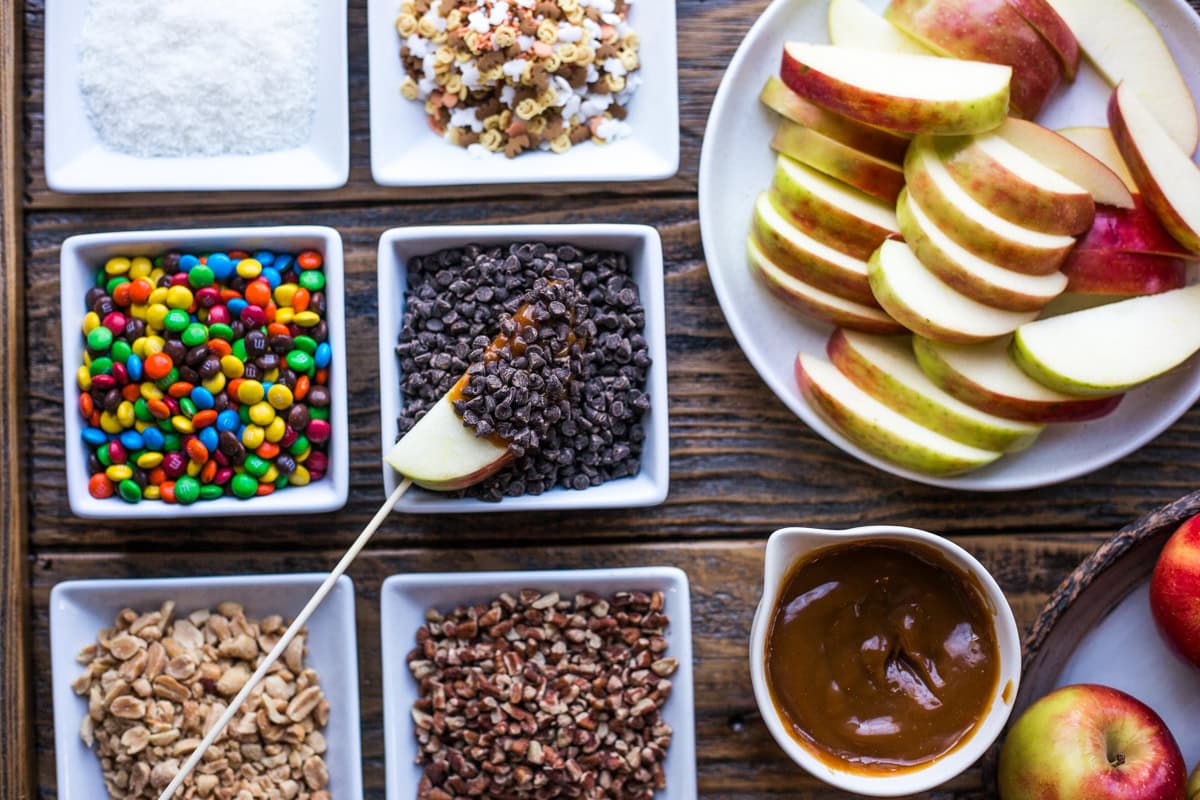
point(94, 436)
point(188, 261)
point(264, 257)
point(203, 398)
point(273, 277)
point(133, 365)
point(132, 440)
point(235, 306)
point(228, 420)
point(221, 265)
point(208, 438)
point(323, 355)
point(282, 261)
point(152, 439)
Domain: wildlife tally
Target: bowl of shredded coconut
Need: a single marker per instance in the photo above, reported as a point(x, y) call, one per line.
point(483, 91)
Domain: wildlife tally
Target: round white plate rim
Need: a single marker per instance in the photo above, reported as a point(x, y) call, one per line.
point(785, 388)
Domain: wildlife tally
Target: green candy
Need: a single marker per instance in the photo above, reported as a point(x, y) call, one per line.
point(300, 361)
point(187, 407)
point(239, 349)
point(194, 334)
point(130, 492)
point(319, 413)
point(141, 410)
point(243, 485)
point(256, 466)
point(99, 339)
point(220, 330)
point(176, 320)
point(100, 366)
point(199, 277)
point(171, 442)
point(281, 481)
point(101, 278)
point(187, 490)
point(165, 383)
point(306, 343)
point(299, 446)
point(103, 457)
point(312, 279)
point(121, 351)
point(244, 414)
point(165, 426)
point(109, 286)
point(210, 491)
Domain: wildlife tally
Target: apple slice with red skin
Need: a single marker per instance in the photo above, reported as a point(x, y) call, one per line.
point(1131, 230)
point(1175, 591)
point(1167, 176)
point(1090, 742)
point(1098, 141)
point(1118, 272)
point(1067, 159)
point(984, 376)
point(874, 141)
point(985, 30)
point(868, 174)
point(1046, 21)
point(898, 91)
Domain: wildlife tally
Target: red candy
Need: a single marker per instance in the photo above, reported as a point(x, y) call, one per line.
point(115, 322)
point(318, 431)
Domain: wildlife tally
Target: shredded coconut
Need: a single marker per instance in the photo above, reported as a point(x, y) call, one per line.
point(204, 77)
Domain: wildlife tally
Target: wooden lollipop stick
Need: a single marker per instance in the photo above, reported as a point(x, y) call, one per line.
point(285, 640)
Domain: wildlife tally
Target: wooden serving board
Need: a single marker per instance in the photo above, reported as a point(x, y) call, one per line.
point(742, 465)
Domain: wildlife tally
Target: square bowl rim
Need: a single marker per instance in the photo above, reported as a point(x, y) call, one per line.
point(653, 480)
point(334, 495)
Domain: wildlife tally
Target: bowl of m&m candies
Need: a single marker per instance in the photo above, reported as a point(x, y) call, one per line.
point(204, 372)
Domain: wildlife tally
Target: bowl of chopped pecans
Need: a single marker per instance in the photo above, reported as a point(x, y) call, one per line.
point(141, 668)
point(593, 668)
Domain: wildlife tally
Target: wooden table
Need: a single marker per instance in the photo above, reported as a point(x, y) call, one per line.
point(741, 464)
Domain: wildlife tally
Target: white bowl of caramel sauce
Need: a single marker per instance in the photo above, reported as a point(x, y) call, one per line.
point(885, 660)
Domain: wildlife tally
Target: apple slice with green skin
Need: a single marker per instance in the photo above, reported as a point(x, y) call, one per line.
point(972, 225)
point(803, 257)
point(985, 30)
point(1124, 45)
point(985, 377)
point(885, 368)
point(1054, 29)
point(442, 454)
point(1167, 176)
point(878, 429)
point(830, 211)
point(852, 24)
point(915, 298)
point(874, 141)
point(899, 91)
point(1193, 787)
point(816, 302)
point(865, 172)
point(1067, 159)
point(1112, 348)
point(969, 274)
point(1014, 185)
point(1122, 273)
point(1099, 142)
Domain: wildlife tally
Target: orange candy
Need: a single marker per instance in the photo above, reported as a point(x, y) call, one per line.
point(258, 292)
point(202, 419)
point(157, 475)
point(121, 294)
point(300, 300)
point(166, 490)
point(267, 450)
point(86, 405)
point(140, 289)
point(278, 329)
point(196, 451)
point(209, 471)
point(100, 487)
point(264, 489)
point(231, 389)
point(309, 259)
point(322, 376)
point(219, 347)
point(180, 389)
point(229, 294)
point(158, 366)
point(131, 392)
point(158, 409)
point(301, 390)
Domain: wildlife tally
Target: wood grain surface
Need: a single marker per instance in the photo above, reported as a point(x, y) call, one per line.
point(741, 463)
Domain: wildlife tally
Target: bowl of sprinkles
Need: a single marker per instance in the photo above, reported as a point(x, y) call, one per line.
point(480, 91)
point(204, 372)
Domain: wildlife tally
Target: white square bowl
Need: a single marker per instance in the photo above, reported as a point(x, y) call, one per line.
point(77, 161)
point(642, 245)
point(405, 598)
point(406, 152)
point(79, 609)
point(83, 255)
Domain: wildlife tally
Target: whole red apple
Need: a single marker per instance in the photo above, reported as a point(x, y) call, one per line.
point(1090, 742)
point(1175, 591)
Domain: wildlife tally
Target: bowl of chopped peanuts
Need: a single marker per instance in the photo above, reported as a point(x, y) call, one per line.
point(522, 91)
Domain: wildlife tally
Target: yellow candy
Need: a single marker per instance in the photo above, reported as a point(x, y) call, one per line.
point(155, 314)
point(119, 472)
point(261, 413)
point(125, 414)
point(154, 344)
point(151, 392)
point(300, 459)
point(109, 422)
point(271, 375)
point(300, 477)
point(182, 424)
point(152, 492)
point(149, 460)
point(252, 437)
point(179, 297)
point(232, 366)
point(249, 268)
point(117, 266)
point(279, 396)
point(141, 267)
point(87, 359)
point(276, 429)
point(216, 383)
point(138, 310)
point(270, 475)
point(284, 315)
point(193, 468)
point(284, 293)
point(83, 377)
point(91, 321)
point(250, 392)
point(306, 319)
point(158, 295)
point(155, 274)
point(141, 425)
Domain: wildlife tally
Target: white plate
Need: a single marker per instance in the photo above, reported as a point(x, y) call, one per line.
point(79, 609)
point(643, 247)
point(405, 598)
point(83, 255)
point(77, 161)
point(405, 152)
point(737, 163)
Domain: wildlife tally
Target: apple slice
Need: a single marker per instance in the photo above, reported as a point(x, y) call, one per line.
point(878, 429)
point(852, 24)
point(1135, 230)
point(864, 172)
point(1124, 45)
point(984, 376)
point(1099, 142)
point(969, 274)
point(830, 211)
point(875, 141)
point(816, 302)
point(442, 454)
point(915, 298)
point(899, 91)
point(1106, 350)
point(1046, 21)
point(985, 30)
point(972, 225)
point(1167, 176)
point(885, 368)
point(1067, 159)
point(1014, 185)
point(803, 257)
point(1120, 273)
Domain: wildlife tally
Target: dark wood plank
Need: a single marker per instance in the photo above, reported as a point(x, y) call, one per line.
point(736, 756)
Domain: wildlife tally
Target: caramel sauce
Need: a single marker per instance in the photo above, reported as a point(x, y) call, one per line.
point(881, 657)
